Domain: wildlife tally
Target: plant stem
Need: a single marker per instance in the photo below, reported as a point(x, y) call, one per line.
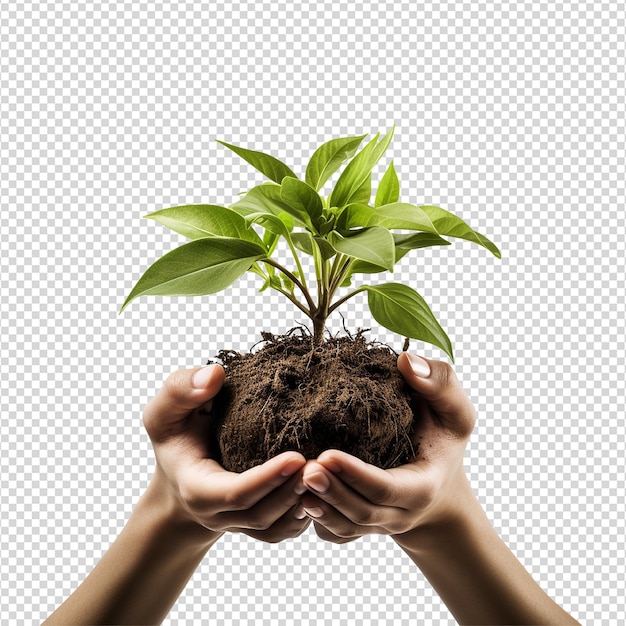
point(346, 297)
point(334, 271)
point(295, 301)
point(295, 281)
point(319, 323)
point(321, 311)
point(325, 284)
point(298, 265)
point(340, 275)
point(318, 261)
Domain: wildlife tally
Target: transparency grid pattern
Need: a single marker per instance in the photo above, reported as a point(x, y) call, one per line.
point(510, 115)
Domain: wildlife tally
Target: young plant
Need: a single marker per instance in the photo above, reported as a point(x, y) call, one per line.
point(343, 232)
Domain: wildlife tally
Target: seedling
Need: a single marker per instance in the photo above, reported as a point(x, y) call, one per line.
point(344, 232)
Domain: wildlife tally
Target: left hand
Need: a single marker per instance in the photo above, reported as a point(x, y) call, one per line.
point(348, 498)
point(260, 502)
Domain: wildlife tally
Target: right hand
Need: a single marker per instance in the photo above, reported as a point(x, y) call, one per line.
point(260, 502)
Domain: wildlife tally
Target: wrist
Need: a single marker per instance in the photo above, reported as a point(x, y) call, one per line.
point(159, 503)
point(473, 571)
point(456, 517)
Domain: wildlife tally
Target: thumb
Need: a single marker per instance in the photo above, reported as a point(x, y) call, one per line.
point(436, 383)
point(183, 391)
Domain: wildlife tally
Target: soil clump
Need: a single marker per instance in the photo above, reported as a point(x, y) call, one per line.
point(345, 394)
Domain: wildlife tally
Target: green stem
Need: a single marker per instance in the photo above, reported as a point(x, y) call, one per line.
point(346, 297)
point(295, 281)
point(295, 301)
point(298, 265)
point(325, 284)
point(318, 262)
point(341, 274)
point(339, 259)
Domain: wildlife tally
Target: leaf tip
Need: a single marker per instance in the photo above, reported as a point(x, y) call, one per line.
point(129, 298)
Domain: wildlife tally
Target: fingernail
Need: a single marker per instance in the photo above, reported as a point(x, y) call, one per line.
point(300, 513)
point(331, 466)
point(419, 365)
point(202, 377)
point(299, 489)
point(291, 468)
point(318, 482)
point(314, 512)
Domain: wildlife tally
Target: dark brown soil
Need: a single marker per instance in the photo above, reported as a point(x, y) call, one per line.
point(345, 394)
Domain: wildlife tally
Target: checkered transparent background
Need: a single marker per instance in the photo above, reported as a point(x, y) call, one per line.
point(511, 115)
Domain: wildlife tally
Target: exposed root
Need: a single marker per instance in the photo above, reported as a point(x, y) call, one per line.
point(345, 393)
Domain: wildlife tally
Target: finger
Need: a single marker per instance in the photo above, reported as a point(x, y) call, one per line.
point(256, 483)
point(375, 485)
point(331, 524)
point(351, 504)
point(437, 384)
point(326, 535)
point(211, 489)
point(267, 511)
point(183, 391)
point(286, 527)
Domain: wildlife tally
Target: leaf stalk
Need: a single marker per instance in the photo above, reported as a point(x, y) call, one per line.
point(295, 281)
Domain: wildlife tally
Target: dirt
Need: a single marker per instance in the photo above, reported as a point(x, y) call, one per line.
point(344, 394)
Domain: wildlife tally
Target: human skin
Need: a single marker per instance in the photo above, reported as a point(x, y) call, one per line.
point(427, 507)
point(430, 510)
point(189, 503)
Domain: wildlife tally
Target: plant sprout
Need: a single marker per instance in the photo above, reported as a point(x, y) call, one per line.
point(344, 233)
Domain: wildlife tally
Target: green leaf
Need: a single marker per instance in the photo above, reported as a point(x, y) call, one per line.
point(255, 269)
point(374, 245)
point(326, 224)
point(398, 215)
point(447, 223)
point(413, 241)
point(305, 242)
point(270, 240)
point(270, 166)
point(266, 283)
point(402, 310)
point(328, 158)
point(362, 267)
point(197, 268)
point(404, 244)
point(269, 281)
point(280, 225)
point(357, 171)
point(403, 216)
point(364, 192)
point(267, 199)
point(302, 198)
point(205, 220)
point(389, 188)
point(263, 198)
point(287, 283)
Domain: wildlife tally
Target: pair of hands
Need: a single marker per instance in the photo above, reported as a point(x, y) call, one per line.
point(345, 497)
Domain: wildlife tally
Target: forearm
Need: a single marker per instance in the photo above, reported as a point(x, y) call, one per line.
point(144, 571)
point(475, 574)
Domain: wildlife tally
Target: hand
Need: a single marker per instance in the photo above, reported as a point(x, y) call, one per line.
point(348, 498)
point(260, 502)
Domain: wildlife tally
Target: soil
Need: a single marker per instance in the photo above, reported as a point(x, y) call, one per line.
point(345, 394)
